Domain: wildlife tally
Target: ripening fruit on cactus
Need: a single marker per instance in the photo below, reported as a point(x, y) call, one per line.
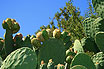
point(9, 22)
point(49, 32)
point(56, 33)
point(5, 25)
point(60, 66)
point(35, 42)
point(15, 28)
point(19, 35)
point(39, 36)
point(13, 20)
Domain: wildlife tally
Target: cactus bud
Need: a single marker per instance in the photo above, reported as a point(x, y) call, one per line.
point(43, 65)
point(50, 64)
point(49, 32)
point(39, 36)
point(35, 42)
point(15, 28)
point(5, 25)
point(56, 33)
point(60, 66)
point(18, 35)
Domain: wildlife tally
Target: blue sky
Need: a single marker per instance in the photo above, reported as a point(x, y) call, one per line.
point(31, 14)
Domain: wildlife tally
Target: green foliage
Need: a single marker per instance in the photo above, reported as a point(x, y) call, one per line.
point(52, 49)
point(69, 19)
point(83, 59)
point(23, 58)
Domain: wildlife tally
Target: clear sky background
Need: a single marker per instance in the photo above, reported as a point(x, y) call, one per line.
point(31, 14)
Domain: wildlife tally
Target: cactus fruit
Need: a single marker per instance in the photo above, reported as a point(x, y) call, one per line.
point(78, 67)
point(52, 49)
point(35, 42)
point(50, 64)
point(40, 37)
point(98, 60)
point(43, 65)
point(18, 35)
point(22, 58)
point(11, 25)
point(83, 59)
point(69, 59)
point(49, 32)
point(60, 66)
point(5, 25)
point(15, 28)
point(56, 33)
point(33, 36)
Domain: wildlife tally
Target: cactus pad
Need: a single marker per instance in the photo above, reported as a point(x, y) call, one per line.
point(52, 49)
point(83, 59)
point(99, 40)
point(78, 67)
point(99, 7)
point(23, 58)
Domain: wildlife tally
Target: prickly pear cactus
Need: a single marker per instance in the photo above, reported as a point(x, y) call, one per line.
point(89, 45)
point(52, 49)
point(99, 40)
point(98, 60)
point(83, 59)
point(78, 67)
point(23, 58)
point(11, 27)
point(99, 7)
point(88, 27)
point(92, 26)
point(77, 46)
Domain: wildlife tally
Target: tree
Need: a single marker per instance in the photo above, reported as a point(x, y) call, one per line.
point(69, 19)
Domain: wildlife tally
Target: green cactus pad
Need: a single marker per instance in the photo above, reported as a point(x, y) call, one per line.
point(78, 67)
point(23, 58)
point(77, 46)
point(89, 45)
point(99, 7)
point(98, 60)
point(92, 26)
point(52, 49)
point(83, 59)
point(88, 27)
point(99, 39)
